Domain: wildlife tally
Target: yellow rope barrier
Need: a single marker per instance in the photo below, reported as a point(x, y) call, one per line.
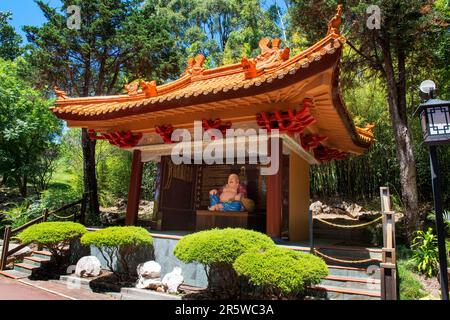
point(59, 217)
point(342, 260)
point(349, 226)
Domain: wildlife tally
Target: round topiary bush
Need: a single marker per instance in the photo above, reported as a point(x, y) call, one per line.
point(56, 236)
point(217, 249)
point(119, 244)
point(281, 271)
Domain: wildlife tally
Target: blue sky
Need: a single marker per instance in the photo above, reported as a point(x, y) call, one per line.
point(25, 12)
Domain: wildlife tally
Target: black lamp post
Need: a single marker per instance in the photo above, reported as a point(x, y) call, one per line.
point(435, 121)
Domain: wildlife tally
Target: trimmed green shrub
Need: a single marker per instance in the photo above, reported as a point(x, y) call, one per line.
point(119, 244)
point(56, 236)
point(217, 249)
point(220, 245)
point(281, 271)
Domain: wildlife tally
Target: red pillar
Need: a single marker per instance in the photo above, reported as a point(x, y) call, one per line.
point(274, 198)
point(134, 190)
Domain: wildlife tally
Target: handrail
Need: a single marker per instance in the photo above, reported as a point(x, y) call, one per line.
point(8, 233)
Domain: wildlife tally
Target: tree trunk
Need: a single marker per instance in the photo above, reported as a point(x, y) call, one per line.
point(403, 141)
point(90, 178)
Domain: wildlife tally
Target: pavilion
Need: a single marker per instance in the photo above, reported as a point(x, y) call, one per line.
point(299, 95)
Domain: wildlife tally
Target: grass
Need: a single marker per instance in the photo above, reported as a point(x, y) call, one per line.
point(410, 286)
point(62, 179)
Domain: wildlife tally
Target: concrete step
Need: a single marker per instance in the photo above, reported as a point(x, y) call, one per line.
point(369, 284)
point(354, 272)
point(75, 282)
point(14, 274)
point(25, 268)
point(339, 293)
point(42, 254)
point(37, 261)
point(142, 294)
point(357, 253)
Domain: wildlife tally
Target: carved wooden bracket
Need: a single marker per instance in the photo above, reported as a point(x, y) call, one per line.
point(290, 121)
point(165, 131)
point(120, 138)
point(271, 57)
point(216, 124)
point(325, 154)
point(312, 141)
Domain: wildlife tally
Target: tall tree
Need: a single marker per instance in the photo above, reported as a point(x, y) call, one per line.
point(118, 40)
point(27, 128)
point(404, 41)
point(10, 41)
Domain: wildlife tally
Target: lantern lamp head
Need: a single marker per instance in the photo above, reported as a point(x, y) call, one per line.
point(434, 116)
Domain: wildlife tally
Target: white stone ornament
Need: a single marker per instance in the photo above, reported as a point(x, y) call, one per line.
point(88, 266)
point(149, 269)
point(173, 280)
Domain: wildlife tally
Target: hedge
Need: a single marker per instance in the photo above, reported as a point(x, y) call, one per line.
point(119, 244)
point(220, 245)
point(285, 270)
point(50, 233)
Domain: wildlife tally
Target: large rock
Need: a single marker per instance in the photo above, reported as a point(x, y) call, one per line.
point(88, 266)
point(316, 207)
point(149, 270)
point(173, 280)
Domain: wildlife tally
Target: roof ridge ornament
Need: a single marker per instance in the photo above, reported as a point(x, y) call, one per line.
point(138, 86)
point(149, 88)
point(335, 23)
point(367, 131)
point(195, 66)
point(60, 94)
point(271, 57)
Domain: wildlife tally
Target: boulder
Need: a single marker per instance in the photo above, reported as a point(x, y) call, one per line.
point(316, 207)
point(88, 266)
point(173, 280)
point(354, 210)
point(149, 270)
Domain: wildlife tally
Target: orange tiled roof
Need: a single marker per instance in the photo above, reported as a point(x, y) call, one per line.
point(198, 85)
point(197, 81)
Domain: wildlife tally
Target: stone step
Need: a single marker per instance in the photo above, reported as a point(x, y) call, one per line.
point(369, 284)
point(14, 274)
point(349, 261)
point(42, 254)
point(354, 272)
point(143, 294)
point(75, 282)
point(339, 293)
point(25, 268)
point(351, 252)
point(37, 261)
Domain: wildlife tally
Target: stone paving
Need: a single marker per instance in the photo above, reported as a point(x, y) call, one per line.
point(14, 290)
point(26, 289)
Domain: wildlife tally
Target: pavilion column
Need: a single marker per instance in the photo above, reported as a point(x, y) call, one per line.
point(299, 197)
point(134, 190)
point(274, 203)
